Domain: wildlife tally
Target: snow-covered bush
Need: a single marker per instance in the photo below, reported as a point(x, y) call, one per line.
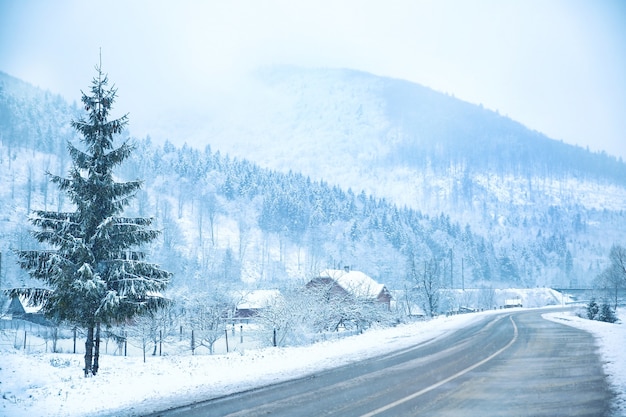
point(602, 312)
point(607, 314)
point(60, 362)
point(592, 309)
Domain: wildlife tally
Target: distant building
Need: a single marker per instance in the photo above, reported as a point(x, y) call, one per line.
point(512, 302)
point(21, 307)
point(352, 284)
point(251, 303)
point(12, 307)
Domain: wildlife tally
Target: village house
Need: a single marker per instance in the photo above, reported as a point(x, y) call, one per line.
point(21, 307)
point(249, 304)
point(354, 284)
point(11, 307)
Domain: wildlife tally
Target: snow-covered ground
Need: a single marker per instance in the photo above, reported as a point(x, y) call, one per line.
point(611, 341)
point(51, 384)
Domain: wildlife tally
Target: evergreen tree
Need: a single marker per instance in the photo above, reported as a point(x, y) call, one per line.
point(592, 309)
point(607, 314)
point(95, 274)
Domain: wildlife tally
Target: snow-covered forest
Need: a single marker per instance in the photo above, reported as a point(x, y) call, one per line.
point(494, 203)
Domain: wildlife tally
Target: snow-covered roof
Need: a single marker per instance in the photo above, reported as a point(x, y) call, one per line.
point(5, 303)
point(257, 299)
point(355, 282)
point(30, 307)
point(23, 303)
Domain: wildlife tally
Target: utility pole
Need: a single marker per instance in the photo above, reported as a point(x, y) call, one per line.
point(451, 275)
point(462, 274)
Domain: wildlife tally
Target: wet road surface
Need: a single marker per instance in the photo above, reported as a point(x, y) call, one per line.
point(513, 364)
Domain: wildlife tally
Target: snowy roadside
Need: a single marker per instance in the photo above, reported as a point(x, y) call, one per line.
point(611, 339)
point(51, 384)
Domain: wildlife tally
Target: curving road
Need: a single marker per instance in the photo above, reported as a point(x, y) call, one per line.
point(513, 364)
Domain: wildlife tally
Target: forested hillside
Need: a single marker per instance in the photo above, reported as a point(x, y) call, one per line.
point(230, 221)
point(386, 204)
point(429, 151)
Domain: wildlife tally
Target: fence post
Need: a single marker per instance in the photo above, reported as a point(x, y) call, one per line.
point(226, 332)
point(74, 339)
point(24, 339)
point(55, 339)
point(274, 337)
point(241, 333)
point(193, 343)
point(160, 341)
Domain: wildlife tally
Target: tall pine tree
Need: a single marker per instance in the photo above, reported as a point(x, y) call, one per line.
point(93, 267)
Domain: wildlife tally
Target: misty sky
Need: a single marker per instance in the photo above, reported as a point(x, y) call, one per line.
point(557, 66)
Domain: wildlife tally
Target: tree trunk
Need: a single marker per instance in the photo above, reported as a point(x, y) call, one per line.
point(96, 357)
point(88, 350)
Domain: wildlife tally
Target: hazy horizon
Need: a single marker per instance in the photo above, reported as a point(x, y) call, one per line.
point(555, 66)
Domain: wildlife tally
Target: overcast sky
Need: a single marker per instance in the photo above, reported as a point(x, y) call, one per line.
point(557, 66)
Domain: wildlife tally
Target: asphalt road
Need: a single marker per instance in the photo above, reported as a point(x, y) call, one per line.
point(514, 364)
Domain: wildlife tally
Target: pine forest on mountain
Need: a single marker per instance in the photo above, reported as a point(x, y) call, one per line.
point(377, 174)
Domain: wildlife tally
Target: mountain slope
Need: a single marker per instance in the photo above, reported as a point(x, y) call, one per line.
point(478, 191)
point(429, 151)
point(346, 117)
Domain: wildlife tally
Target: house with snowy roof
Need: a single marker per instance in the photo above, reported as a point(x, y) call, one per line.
point(352, 284)
point(22, 307)
point(249, 304)
point(11, 307)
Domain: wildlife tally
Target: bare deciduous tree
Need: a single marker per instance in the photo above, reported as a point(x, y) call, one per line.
point(208, 315)
point(613, 278)
point(427, 284)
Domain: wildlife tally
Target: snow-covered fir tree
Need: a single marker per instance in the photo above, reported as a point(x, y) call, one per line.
point(93, 267)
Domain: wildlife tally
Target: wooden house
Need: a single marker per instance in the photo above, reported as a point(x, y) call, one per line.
point(352, 285)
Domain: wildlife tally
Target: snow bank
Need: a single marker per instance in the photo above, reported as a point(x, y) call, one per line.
point(611, 339)
point(52, 384)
